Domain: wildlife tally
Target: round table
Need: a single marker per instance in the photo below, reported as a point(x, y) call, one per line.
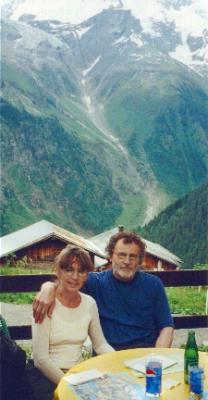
point(114, 362)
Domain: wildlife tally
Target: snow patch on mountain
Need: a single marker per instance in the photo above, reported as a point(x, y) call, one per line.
point(147, 11)
point(122, 39)
point(189, 20)
point(33, 37)
point(81, 31)
point(86, 71)
point(136, 56)
point(201, 54)
point(136, 39)
point(182, 54)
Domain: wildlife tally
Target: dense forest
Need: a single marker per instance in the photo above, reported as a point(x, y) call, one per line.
point(183, 227)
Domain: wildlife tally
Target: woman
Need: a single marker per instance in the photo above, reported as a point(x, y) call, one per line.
point(58, 341)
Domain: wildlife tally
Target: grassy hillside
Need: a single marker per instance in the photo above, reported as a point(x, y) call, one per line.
point(183, 227)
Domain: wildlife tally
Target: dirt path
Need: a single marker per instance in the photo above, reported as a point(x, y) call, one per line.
point(17, 314)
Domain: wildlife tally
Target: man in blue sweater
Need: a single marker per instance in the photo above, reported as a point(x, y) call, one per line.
point(132, 304)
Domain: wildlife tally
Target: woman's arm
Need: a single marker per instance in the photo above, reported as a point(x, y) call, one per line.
point(99, 343)
point(42, 361)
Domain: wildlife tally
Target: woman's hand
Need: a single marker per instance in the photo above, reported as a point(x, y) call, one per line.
point(44, 301)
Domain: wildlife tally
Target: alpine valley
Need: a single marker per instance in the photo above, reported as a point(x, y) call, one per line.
point(104, 110)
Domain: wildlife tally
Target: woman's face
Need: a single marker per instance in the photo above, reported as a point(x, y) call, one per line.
point(73, 277)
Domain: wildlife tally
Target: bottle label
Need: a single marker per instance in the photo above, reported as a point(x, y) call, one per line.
point(189, 362)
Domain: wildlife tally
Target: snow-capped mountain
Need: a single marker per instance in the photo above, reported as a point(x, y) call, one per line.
point(188, 19)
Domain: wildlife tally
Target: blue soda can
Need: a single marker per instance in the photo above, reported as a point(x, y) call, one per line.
point(196, 380)
point(153, 378)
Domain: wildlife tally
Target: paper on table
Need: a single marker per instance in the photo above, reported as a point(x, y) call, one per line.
point(177, 367)
point(85, 376)
point(138, 364)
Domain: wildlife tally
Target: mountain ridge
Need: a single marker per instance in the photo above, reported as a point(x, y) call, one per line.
point(187, 17)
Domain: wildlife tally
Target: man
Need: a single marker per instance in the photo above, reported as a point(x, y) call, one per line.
point(132, 304)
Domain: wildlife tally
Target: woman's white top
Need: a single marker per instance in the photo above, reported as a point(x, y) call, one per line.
point(58, 341)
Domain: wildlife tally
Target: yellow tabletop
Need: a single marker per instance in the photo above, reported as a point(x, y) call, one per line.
point(114, 362)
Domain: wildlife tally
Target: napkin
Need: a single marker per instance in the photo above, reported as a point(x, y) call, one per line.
point(82, 377)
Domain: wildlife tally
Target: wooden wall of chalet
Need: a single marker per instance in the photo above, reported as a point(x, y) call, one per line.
point(153, 263)
point(46, 250)
point(42, 252)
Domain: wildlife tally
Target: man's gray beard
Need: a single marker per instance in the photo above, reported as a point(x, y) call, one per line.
point(124, 274)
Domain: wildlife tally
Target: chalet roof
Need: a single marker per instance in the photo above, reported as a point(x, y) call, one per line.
point(40, 231)
point(152, 248)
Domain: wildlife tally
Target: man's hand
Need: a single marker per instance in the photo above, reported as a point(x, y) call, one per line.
point(44, 301)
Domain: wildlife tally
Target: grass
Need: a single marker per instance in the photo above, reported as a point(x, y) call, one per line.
point(201, 347)
point(20, 270)
point(187, 300)
point(20, 298)
point(20, 79)
point(133, 211)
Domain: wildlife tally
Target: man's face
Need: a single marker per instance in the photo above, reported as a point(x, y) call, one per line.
point(125, 259)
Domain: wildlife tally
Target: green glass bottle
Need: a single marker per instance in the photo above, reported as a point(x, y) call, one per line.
point(191, 356)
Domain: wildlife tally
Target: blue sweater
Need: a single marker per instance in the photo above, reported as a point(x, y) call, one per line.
point(131, 313)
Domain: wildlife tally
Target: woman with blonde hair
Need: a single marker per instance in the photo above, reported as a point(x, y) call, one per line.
point(58, 341)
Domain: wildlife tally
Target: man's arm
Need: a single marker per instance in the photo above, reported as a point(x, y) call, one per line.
point(165, 337)
point(163, 318)
point(44, 301)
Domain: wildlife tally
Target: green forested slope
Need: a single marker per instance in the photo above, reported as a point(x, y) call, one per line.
point(183, 227)
point(47, 173)
point(163, 122)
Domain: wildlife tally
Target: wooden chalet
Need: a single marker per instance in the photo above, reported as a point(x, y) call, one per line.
point(157, 258)
point(40, 243)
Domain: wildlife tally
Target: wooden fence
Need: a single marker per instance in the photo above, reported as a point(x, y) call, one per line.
point(32, 283)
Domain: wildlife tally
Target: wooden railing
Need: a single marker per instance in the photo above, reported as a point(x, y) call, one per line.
point(32, 283)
